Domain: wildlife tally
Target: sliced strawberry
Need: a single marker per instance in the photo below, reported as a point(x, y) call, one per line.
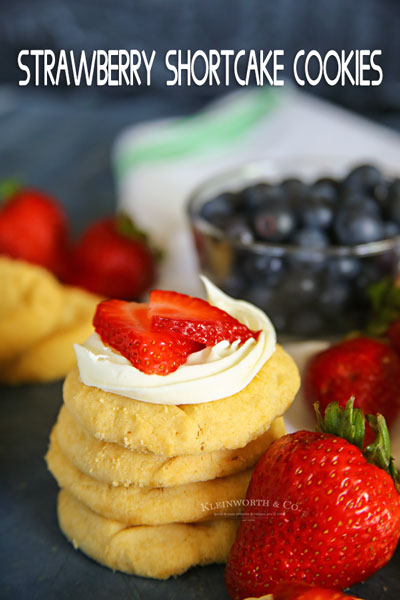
point(195, 319)
point(126, 326)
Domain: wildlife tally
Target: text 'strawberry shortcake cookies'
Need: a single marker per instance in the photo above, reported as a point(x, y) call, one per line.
point(114, 464)
point(170, 407)
point(40, 320)
point(159, 552)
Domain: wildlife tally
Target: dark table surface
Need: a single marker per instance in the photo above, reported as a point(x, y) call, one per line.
point(37, 562)
point(64, 146)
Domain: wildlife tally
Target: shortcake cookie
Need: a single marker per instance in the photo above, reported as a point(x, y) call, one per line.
point(172, 430)
point(53, 356)
point(31, 302)
point(160, 552)
point(117, 465)
point(40, 320)
point(136, 505)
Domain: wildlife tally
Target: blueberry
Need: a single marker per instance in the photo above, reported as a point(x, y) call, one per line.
point(263, 268)
point(331, 182)
point(309, 256)
point(352, 226)
point(361, 202)
point(391, 229)
point(299, 287)
point(260, 295)
point(274, 223)
point(294, 189)
point(363, 178)
point(296, 193)
point(237, 229)
point(334, 296)
point(345, 267)
point(310, 237)
point(317, 213)
point(392, 205)
point(254, 197)
point(218, 210)
point(380, 192)
point(325, 189)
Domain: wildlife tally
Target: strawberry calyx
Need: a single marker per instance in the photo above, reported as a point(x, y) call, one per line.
point(379, 451)
point(384, 298)
point(126, 227)
point(8, 187)
point(349, 424)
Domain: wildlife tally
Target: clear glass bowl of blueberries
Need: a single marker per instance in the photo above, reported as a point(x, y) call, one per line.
point(303, 239)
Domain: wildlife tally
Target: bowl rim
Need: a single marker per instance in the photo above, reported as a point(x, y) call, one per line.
point(275, 249)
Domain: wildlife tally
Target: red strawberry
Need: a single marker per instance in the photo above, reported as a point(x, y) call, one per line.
point(302, 591)
point(321, 513)
point(113, 260)
point(195, 319)
point(393, 333)
point(33, 227)
point(126, 326)
point(362, 367)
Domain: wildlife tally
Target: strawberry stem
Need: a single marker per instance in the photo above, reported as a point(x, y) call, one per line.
point(349, 424)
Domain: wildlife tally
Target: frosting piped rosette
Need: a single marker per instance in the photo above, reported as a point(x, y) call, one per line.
point(208, 373)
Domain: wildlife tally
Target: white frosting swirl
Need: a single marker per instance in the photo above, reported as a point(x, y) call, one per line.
point(210, 374)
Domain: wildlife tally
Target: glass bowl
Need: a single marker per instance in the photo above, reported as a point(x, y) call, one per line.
point(305, 291)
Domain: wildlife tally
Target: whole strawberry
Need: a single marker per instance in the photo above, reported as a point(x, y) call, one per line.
point(112, 259)
point(33, 227)
point(362, 367)
point(301, 591)
point(320, 510)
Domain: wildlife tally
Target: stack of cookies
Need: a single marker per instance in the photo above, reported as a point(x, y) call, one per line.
point(154, 489)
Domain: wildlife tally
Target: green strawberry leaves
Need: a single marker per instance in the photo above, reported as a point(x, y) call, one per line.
point(384, 297)
point(349, 424)
point(126, 227)
point(379, 451)
point(9, 187)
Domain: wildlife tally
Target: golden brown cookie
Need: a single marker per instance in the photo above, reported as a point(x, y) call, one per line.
point(192, 428)
point(53, 356)
point(135, 505)
point(159, 552)
point(31, 303)
point(117, 465)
